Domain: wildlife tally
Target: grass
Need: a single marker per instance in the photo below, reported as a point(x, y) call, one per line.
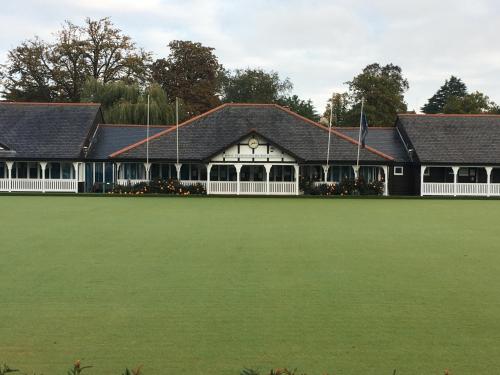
point(209, 286)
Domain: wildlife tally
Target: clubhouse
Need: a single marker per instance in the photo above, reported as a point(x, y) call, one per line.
point(244, 149)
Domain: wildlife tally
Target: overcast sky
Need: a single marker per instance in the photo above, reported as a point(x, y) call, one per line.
point(319, 45)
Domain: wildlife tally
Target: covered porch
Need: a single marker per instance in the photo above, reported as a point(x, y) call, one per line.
point(39, 176)
point(460, 181)
point(335, 174)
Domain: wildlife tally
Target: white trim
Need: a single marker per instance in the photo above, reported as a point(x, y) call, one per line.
point(401, 172)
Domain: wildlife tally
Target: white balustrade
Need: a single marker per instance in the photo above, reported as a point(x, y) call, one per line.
point(253, 187)
point(437, 188)
point(132, 182)
point(223, 187)
point(194, 182)
point(4, 184)
point(495, 189)
point(474, 189)
point(34, 184)
point(285, 188)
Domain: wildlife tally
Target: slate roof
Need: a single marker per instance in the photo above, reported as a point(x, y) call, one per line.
point(453, 139)
point(110, 138)
point(385, 139)
point(204, 136)
point(46, 130)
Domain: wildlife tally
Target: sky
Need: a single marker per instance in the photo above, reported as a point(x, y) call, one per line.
point(319, 45)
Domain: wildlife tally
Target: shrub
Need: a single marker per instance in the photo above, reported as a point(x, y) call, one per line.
point(158, 186)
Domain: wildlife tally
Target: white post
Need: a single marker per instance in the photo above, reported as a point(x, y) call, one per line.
point(488, 180)
point(178, 167)
point(455, 177)
point(118, 171)
point(9, 167)
point(356, 171)
point(43, 165)
point(147, 168)
point(296, 167)
point(238, 170)
point(75, 165)
point(385, 168)
point(268, 173)
point(209, 168)
point(325, 172)
point(422, 172)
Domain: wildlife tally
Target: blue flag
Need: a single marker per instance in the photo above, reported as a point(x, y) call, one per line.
point(364, 129)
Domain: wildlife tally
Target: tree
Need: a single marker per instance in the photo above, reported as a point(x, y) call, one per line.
point(124, 103)
point(191, 72)
point(382, 88)
point(39, 70)
point(474, 103)
point(254, 86)
point(302, 107)
point(341, 105)
point(452, 88)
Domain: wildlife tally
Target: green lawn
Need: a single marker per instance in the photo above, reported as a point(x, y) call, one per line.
point(208, 286)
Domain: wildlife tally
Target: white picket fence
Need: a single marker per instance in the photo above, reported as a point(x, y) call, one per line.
point(39, 185)
point(459, 189)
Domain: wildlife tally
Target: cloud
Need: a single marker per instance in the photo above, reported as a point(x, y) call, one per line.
point(318, 44)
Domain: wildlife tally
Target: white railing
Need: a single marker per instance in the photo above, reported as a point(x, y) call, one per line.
point(474, 189)
point(34, 184)
point(319, 183)
point(223, 187)
point(62, 185)
point(194, 182)
point(284, 188)
point(437, 188)
point(495, 189)
point(253, 187)
point(4, 184)
point(460, 189)
point(128, 181)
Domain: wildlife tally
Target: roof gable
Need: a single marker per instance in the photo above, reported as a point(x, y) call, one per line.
point(447, 139)
point(203, 135)
point(48, 130)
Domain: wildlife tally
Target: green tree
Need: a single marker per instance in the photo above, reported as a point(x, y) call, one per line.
point(255, 86)
point(192, 73)
point(452, 88)
point(474, 103)
point(48, 71)
point(340, 110)
point(302, 107)
point(124, 103)
point(383, 89)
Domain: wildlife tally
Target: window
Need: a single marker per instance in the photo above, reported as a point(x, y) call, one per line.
point(398, 171)
point(427, 172)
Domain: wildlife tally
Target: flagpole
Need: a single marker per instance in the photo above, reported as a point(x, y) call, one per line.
point(329, 138)
point(177, 128)
point(359, 136)
point(147, 142)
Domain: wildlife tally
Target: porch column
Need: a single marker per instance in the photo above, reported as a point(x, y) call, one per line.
point(238, 170)
point(488, 180)
point(147, 168)
point(385, 168)
point(75, 165)
point(268, 172)
point(325, 172)
point(455, 178)
point(118, 165)
point(422, 172)
point(9, 167)
point(296, 167)
point(43, 165)
point(209, 168)
point(178, 169)
point(356, 171)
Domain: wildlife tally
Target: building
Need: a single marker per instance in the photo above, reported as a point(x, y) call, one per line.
point(253, 149)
